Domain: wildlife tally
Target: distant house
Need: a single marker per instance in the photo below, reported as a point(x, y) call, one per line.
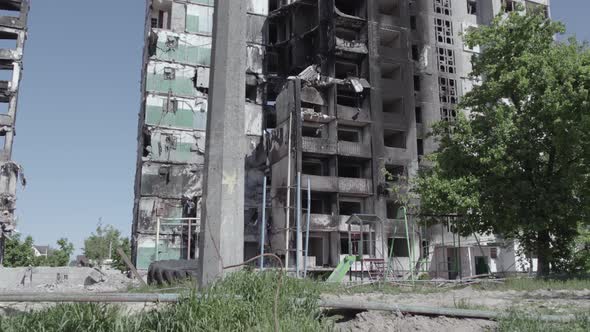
point(44, 251)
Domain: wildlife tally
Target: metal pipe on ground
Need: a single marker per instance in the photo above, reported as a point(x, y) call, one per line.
point(350, 304)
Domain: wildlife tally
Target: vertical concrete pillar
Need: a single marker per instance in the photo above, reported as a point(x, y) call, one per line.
point(222, 230)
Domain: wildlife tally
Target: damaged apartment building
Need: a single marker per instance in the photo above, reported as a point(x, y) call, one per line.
point(13, 33)
point(172, 126)
point(342, 92)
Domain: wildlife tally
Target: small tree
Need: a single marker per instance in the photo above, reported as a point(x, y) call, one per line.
point(118, 262)
point(19, 253)
point(519, 166)
point(57, 257)
point(102, 244)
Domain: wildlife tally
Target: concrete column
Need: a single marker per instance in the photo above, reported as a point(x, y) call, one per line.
point(222, 230)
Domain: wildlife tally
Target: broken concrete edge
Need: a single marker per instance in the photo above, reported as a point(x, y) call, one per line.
point(351, 304)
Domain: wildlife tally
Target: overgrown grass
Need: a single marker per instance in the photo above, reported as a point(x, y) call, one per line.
point(380, 288)
point(241, 302)
point(530, 284)
point(523, 323)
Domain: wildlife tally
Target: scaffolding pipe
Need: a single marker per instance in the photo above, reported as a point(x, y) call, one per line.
point(288, 209)
point(298, 235)
point(158, 239)
point(307, 228)
point(263, 225)
point(409, 245)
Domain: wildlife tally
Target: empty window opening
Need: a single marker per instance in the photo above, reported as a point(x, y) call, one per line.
point(393, 210)
point(447, 90)
point(415, 53)
point(536, 8)
point(390, 39)
point(448, 114)
point(346, 69)
point(472, 7)
point(389, 7)
point(273, 34)
point(444, 31)
point(391, 71)
point(351, 245)
point(394, 172)
point(399, 246)
point(314, 167)
point(393, 106)
point(416, 83)
point(270, 118)
point(10, 13)
point(346, 97)
point(311, 131)
point(442, 7)
point(320, 203)
point(349, 135)
point(169, 73)
point(446, 60)
point(418, 111)
point(354, 8)
point(251, 92)
point(420, 146)
point(4, 107)
point(6, 75)
point(348, 208)
point(394, 139)
point(413, 24)
point(509, 5)
point(8, 40)
point(346, 34)
point(147, 143)
point(273, 5)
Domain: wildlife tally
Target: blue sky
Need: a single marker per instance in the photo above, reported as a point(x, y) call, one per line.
point(77, 117)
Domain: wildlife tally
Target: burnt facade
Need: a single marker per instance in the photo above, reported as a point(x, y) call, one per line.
point(13, 33)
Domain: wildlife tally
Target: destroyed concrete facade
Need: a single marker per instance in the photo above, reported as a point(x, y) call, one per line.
point(343, 92)
point(172, 125)
point(13, 33)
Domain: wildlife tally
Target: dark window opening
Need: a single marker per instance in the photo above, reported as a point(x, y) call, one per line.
point(390, 39)
point(413, 24)
point(344, 70)
point(425, 248)
point(347, 98)
point(350, 171)
point(509, 5)
point(311, 132)
point(472, 7)
point(393, 106)
point(394, 139)
point(418, 111)
point(346, 34)
point(355, 238)
point(273, 34)
point(320, 203)
point(399, 246)
point(494, 252)
point(314, 167)
point(394, 172)
point(273, 5)
point(147, 143)
point(391, 71)
point(416, 83)
point(270, 118)
point(354, 8)
point(415, 53)
point(169, 73)
point(155, 24)
point(349, 135)
point(420, 145)
point(393, 210)
point(348, 208)
point(389, 8)
point(251, 92)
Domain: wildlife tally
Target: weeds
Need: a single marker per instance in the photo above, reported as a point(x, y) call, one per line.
point(241, 302)
point(528, 284)
point(522, 323)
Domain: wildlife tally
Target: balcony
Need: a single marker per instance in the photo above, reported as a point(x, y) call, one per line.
point(348, 114)
point(319, 145)
point(321, 183)
point(355, 186)
point(396, 155)
point(395, 120)
point(398, 54)
point(330, 223)
point(352, 149)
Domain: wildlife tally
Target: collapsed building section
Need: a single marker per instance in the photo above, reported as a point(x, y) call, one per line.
point(172, 126)
point(13, 33)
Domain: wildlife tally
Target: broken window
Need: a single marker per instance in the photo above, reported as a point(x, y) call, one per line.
point(494, 252)
point(391, 71)
point(418, 111)
point(394, 139)
point(169, 73)
point(350, 206)
point(444, 31)
point(413, 24)
point(393, 106)
point(448, 114)
point(314, 167)
point(251, 92)
point(347, 97)
point(393, 210)
point(415, 53)
point(353, 8)
point(155, 23)
point(442, 7)
point(394, 172)
point(472, 7)
point(311, 131)
point(352, 167)
point(416, 83)
point(536, 8)
point(446, 60)
point(447, 90)
point(389, 7)
point(171, 105)
point(420, 146)
point(509, 5)
point(346, 69)
point(321, 203)
point(399, 247)
point(349, 135)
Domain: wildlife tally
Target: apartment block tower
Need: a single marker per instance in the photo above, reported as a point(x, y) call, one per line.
point(341, 94)
point(172, 126)
point(13, 33)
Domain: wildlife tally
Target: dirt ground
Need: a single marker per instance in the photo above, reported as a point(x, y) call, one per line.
point(536, 302)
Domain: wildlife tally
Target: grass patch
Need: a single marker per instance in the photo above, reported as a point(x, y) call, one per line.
point(241, 302)
point(522, 323)
point(380, 288)
point(529, 284)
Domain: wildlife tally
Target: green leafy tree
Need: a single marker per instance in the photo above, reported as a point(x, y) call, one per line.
point(102, 244)
point(118, 262)
point(519, 165)
point(19, 253)
point(57, 257)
